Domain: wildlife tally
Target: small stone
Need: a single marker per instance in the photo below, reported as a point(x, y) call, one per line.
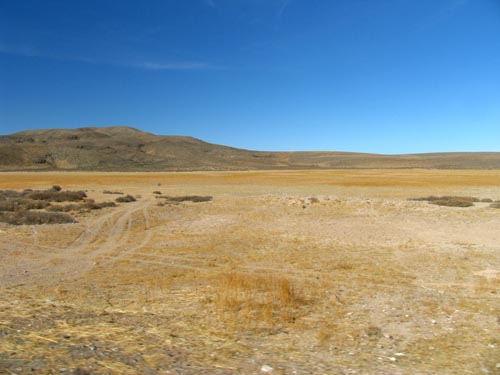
point(266, 369)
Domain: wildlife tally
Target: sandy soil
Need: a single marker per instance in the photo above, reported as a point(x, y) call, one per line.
point(300, 272)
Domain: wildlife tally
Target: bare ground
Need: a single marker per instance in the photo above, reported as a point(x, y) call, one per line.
point(306, 272)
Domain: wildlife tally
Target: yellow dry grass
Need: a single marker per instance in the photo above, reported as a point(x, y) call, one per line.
point(369, 178)
point(356, 280)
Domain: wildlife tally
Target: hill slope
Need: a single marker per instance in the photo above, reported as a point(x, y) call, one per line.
point(128, 149)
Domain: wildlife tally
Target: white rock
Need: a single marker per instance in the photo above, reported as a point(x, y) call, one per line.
point(266, 369)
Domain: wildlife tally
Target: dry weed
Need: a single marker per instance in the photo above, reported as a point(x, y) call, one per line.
point(256, 301)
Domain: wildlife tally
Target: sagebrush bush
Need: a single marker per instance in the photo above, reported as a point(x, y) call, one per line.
point(433, 198)
point(98, 206)
point(5, 194)
point(57, 196)
point(187, 198)
point(127, 198)
point(34, 218)
point(17, 204)
point(87, 206)
point(451, 201)
point(65, 208)
point(112, 192)
point(8, 205)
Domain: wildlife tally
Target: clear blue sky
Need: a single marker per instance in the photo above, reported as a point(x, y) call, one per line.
point(386, 76)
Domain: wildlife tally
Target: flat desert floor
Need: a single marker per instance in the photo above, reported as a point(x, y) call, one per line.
point(283, 272)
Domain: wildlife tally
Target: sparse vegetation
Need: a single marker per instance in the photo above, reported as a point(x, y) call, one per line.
point(6, 194)
point(57, 196)
point(126, 199)
point(450, 201)
point(16, 207)
point(34, 218)
point(495, 205)
point(18, 204)
point(186, 198)
point(112, 192)
point(453, 203)
point(87, 206)
point(363, 282)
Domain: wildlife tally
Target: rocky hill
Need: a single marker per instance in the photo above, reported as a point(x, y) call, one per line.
point(128, 149)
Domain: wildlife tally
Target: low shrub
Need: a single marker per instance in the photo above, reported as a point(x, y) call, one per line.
point(5, 194)
point(65, 208)
point(57, 196)
point(99, 206)
point(29, 204)
point(112, 192)
point(87, 206)
point(433, 198)
point(127, 198)
point(453, 203)
point(17, 204)
point(495, 205)
point(8, 205)
point(35, 218)
point(187, 198)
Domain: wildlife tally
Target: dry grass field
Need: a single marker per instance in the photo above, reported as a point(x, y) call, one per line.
point(282, 272)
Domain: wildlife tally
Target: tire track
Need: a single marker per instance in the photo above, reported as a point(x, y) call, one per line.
point(102, 237)
point(147, 238)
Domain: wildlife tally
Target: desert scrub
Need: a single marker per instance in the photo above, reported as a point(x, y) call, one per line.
point(35, 218)
point(495, 205)
point(127, 198)
point(57, 196)
point(453, 203)
point(186, 198)
point(9, 194)
point(87, 206)
point(112, 192)
point(450, 201)
point(18, 204)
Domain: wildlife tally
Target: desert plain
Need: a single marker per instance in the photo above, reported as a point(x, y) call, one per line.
point(282, 272)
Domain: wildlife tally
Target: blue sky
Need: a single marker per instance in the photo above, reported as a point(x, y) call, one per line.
point(385, 76)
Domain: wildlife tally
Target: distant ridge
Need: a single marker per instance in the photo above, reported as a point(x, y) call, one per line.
point(121, 148)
